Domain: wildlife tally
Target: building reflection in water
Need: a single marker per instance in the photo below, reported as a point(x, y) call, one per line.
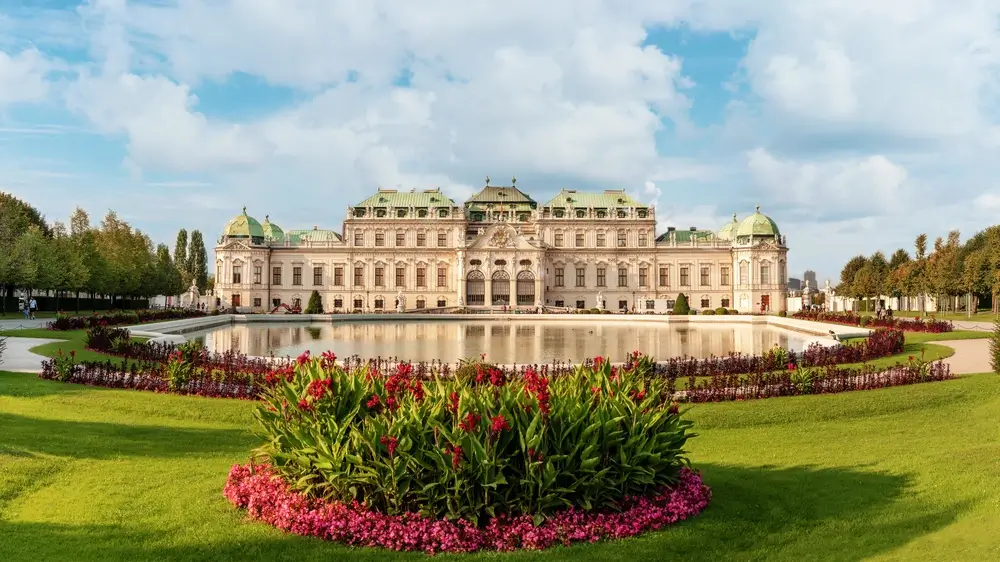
point(502, 341)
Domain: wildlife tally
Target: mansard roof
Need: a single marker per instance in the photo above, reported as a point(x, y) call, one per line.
point(500, 195)
point(611, 198)
point(412, 198)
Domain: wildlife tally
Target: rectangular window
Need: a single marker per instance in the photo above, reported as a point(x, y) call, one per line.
point(706, 303)
point(670, 304)
point(705, 281)
point(380, 239)
point(623, 305)
point(421, 239)
point(400, 239)
point(317, 276)
point(256, 302)
point(275, 302)
point(602, 277)
point(442, 276)
point(579, 239)
point(258, 272)
point(338, 276)
point(600, 239)
point(358, 304)
point(642, 239)
point(559, 240)
point(581, 277)
point(560, 303)
point(622, 238)
point(725, 302)
point(623, 277)
point(685, 277)
point(400, 275)
point(650, 304)
point(744, 273)
point(359, 238)
point(765, 273)
point(359, 275)
point(581, 304)
point(442, 239)
point(276, 275)
point(442, 303)
point(421, 276)
point(664, 276)
point(237, 274)
point(296, 276)
point(643, 276)
point(724, 276)
point(380, 276)
point(560, 273)
point(338, 304)
point(421, 304)
point(379, 303)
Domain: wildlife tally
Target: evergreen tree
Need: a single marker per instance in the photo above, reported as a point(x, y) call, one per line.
point(198, 261)
point(182, 256)
point(681, 306)
point(315, 305)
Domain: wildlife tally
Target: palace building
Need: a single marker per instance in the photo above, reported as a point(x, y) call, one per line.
point(419, 250)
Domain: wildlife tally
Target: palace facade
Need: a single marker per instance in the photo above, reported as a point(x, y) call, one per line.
point(412, 250)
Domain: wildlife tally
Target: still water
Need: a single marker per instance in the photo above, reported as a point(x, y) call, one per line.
point(503, 341)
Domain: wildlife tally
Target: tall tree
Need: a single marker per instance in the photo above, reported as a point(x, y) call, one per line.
point(182, 256)
point(169, 277)
point(899, 257)
point(866, 281)
point(70, 271)
point(198, 260)
point(847, 275)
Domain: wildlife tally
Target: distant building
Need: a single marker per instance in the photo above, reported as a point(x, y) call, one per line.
point(794, 284)
point(809, 282)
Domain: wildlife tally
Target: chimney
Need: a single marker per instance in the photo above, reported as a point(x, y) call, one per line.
point(694, 229)
point(317, 228)
point(671, 229)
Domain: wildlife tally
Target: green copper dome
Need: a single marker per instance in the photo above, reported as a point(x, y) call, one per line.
point(758, 225)
point(729, 230)
point(272, 231)
point(243, 226)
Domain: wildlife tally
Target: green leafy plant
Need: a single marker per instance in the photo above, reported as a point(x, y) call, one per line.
point(181, 365)
point(477, 445)
point(995, 347)
point(65, 365)
point(315, 304)
point(681, 305)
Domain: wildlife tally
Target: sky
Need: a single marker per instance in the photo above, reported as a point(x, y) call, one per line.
point(855, 125)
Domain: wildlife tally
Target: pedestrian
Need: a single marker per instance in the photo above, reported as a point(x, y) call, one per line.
point(26, 309)
point(33, 305)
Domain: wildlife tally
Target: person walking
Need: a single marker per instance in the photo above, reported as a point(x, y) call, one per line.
point(33, 306)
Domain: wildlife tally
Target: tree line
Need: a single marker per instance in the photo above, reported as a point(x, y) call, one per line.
point(112, 259)
point(959, 275)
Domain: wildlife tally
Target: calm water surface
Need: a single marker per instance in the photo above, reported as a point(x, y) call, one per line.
point(503, 341)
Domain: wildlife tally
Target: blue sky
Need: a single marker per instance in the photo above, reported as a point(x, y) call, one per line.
point(855, 126)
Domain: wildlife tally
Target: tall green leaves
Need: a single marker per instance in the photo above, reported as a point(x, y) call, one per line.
point(995, 347)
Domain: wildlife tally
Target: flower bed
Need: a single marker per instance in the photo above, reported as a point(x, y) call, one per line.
point(850, 319)
point(67, 322)
point(267, 498)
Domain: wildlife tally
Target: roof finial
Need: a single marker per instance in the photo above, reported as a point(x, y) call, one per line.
point(758, 208)
point(487, 181)
point(244, 209)
point(513, 180)
point(734, 217)
point(267, 218)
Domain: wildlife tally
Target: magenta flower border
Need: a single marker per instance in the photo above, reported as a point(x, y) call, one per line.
point(268, 498)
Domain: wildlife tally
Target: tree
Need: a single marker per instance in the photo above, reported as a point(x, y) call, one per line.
point(681, 306)
point(198, 261)
point(168, 276)
point(70, 273)
point(16, 219)
point(866, 281)
point(315, 305)
point(182, 256)
point(847, 275)
point(899, 258)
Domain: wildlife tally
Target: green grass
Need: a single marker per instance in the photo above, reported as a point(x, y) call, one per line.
point(70, 340)
point(899, 474)
point(69, 310)
point(978, 316)
point(918, 337)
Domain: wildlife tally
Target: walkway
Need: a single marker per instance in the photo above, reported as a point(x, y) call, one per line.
point(18, 357)
point(971, 356)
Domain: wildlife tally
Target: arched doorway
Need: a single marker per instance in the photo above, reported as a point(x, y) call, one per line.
point(475, 288)
point(525, 288)
point(501, 288)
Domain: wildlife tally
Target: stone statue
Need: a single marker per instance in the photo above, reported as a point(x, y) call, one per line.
point(600, 299)
point(399, 301)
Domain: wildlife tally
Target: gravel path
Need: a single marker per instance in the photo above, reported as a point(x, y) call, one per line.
point(971, 356)
point(19, 359)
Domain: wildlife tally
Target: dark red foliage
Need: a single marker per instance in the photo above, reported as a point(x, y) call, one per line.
point(930, 326)
point(123, 318)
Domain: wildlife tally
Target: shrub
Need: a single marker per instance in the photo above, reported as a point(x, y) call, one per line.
point(733, 311)
point(315, 304)
point(66, 322)
point(474, 449)
point(782, 313)
point(708, 311)
point(721, 311)
point(103, 338)
point(65, 365)
point(995, 347)
point(681, 305)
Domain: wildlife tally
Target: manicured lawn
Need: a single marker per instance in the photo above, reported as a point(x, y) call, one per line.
point(71, 340)
point(916, 337)
point(906, 473)
point(980, 316)
point(69, 310)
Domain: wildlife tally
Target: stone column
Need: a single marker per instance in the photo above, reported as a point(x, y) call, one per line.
point(460, 272)
point(489, 290)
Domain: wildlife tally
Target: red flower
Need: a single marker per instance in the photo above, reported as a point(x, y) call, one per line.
point(72, 353)
point(453, 400)
point(637, 395)
point(390, 443)
point(497, 377)
point(328, 359)
point(598, 362)
point(303, 359)
point(304, 405)
point(499, 423)
point(791, 366)
point(468, 424)
point(456, 456)
point(374, 402)
point(391, 403)
point(417, 390)
point(317, 389)
point(674, 408)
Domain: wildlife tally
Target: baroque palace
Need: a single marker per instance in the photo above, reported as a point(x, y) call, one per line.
point(414, 250)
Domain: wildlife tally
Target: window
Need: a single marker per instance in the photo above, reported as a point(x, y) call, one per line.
point(560, 272)
point(621, 238)
point(400, 275)
point(276, 275)
point(581, 304)
point(705, 281)
point(580, 213)
point(237, 274)
point(581, 277)
point(297, 275)
point(218, 271)
point(621, 214)
point(275, 302)
point(442, 239)
point(724, 276)
point(622, 305)
point(650, 304)
point(421, 213)
point(317, 276)
point(602, 214)
point(256, 302)
point(600, 239)
point(359, 238)
point(442, 276)
point(664, 276)
point(443, 213)
point(379, 276)
point(358, 304)
point(642, 239)
point(442, 303)
point(421, 239)
point(379, 303)
point(643, 276)
point(765, 273)
point(623, 277)
point(380, 239)
point(258, 272)
point(400, 239)
point(359, 275)
point(579, 239)
point(744, 273)
point(725, 302)
point(401, 213)
point(421, 303)
point(670, 304)
point(338, 276)
point(602, 277)
point(706, 302)
point(421, 276)
point(685, 277)
point(559, 239)
point(338, 303)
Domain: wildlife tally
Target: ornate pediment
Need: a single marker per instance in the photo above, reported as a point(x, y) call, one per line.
point(236, 245)
point(767, 245)
point(502, 237)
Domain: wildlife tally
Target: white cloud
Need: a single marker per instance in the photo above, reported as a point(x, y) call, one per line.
point(23, 77)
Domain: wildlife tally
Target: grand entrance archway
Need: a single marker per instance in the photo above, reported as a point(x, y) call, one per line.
point(501, 288)
point(525, 288)
point(475, 288)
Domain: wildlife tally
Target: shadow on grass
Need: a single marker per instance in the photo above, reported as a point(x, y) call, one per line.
point(100, 440)
point(28, 385)
point(797, 513)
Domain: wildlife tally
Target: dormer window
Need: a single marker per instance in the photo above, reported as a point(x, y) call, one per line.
point(560, 213)
point(359, 213)
point(580, 213)
point(602, 214)
point(422, 213)
point(380, 213)
point(643, 213)
point(621, 213)
point(443, 213)
point(401, 213)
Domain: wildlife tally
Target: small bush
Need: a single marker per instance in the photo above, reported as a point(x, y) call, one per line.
point(733, 311)
point(782, 313)
point(721, 311)
point(315, 304)
point(681, 305)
